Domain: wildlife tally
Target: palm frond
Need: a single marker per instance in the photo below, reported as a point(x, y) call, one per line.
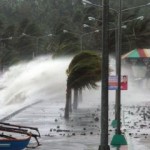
point(84, 70)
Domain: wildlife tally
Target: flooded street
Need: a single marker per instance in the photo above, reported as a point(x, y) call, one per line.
point(81, 131)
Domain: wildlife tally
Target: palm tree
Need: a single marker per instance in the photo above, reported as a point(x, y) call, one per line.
point(83, 71)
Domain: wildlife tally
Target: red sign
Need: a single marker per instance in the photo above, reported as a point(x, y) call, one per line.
point(113, 82)
point(124, 82)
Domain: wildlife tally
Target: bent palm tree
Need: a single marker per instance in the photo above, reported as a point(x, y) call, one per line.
point(83, 71)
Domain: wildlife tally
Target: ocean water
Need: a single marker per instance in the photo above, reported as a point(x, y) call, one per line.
point(44, 78)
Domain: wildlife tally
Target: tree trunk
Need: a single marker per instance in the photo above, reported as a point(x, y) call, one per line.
point(75, 102)
point(68, 100)
point(80, 95)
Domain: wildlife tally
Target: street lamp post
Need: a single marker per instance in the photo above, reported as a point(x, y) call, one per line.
point(82, 35)
point(37, 41)
point(119, 139)
point(118, 66)
point(105, 69)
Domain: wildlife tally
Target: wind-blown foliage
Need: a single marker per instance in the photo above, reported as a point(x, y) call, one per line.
point(84, 70)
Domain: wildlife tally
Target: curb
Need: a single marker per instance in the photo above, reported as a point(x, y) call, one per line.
point(18, 111)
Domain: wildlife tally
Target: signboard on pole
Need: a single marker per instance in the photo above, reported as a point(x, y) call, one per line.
point(113, 82)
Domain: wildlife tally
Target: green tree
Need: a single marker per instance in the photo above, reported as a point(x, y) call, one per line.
point(28, 43)
point(53, 16)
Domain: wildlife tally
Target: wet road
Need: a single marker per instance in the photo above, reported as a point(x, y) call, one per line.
point(80, 132)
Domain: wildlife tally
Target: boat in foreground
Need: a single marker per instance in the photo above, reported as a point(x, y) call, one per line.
point(14, 144)
point(20, 136)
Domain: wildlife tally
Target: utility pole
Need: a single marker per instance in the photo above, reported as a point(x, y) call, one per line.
point(118, 139)
point(118, 67)
point(105, 70)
